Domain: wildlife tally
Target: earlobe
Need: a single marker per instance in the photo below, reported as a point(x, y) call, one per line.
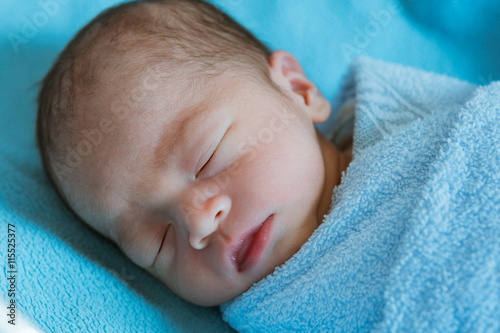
point(287, 73)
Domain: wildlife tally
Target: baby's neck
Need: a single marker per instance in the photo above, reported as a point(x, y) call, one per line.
point(335, 162)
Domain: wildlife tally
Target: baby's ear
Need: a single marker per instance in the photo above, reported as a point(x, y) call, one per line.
point(287, 73)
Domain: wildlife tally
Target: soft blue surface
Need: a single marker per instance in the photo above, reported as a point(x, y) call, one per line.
point(411, 243)
point(456, 38)
point(72, 279)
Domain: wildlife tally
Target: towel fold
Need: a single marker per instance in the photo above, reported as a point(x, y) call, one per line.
point(411, 242)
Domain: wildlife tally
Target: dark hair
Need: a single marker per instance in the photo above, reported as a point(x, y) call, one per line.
point(190, 35)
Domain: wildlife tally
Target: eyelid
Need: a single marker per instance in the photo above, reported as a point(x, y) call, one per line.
point(213, 150)
point(218, 143)
point(206, 163)
point(200, 159)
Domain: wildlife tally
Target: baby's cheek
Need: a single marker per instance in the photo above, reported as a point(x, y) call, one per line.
point(139, 254)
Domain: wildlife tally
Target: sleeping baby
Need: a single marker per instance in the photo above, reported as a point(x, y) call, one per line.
point(171, 130)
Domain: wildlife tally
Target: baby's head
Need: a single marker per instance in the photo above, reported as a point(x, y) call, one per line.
point(171, 130)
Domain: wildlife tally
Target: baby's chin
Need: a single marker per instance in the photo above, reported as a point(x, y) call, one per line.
point(211, 298)
point(222, 291)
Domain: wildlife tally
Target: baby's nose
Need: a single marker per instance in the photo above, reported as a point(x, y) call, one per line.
point(205, 218)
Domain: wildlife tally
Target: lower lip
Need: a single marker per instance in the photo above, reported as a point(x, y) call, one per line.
point(258, 244)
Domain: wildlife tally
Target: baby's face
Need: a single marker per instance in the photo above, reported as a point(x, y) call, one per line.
point(210, 193)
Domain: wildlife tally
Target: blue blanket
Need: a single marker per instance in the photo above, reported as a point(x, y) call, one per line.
point(412, 240)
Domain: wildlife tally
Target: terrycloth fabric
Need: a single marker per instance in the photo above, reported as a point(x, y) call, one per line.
point(411, 243)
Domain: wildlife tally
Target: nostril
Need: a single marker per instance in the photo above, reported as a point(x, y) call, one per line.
point(220, 205)
point(221, 215)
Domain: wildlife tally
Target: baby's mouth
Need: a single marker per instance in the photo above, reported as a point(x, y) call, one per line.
point(252, 246)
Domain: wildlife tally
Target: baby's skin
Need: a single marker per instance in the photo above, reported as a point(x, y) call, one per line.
point(209, 189)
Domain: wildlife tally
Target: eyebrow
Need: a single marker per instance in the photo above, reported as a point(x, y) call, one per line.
point(166, 146)
point(162, 150)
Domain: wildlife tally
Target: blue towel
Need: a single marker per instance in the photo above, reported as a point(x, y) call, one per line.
point(411, 243)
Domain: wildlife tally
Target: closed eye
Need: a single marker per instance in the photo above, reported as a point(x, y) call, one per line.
point(206, 164)
point(163, 241)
